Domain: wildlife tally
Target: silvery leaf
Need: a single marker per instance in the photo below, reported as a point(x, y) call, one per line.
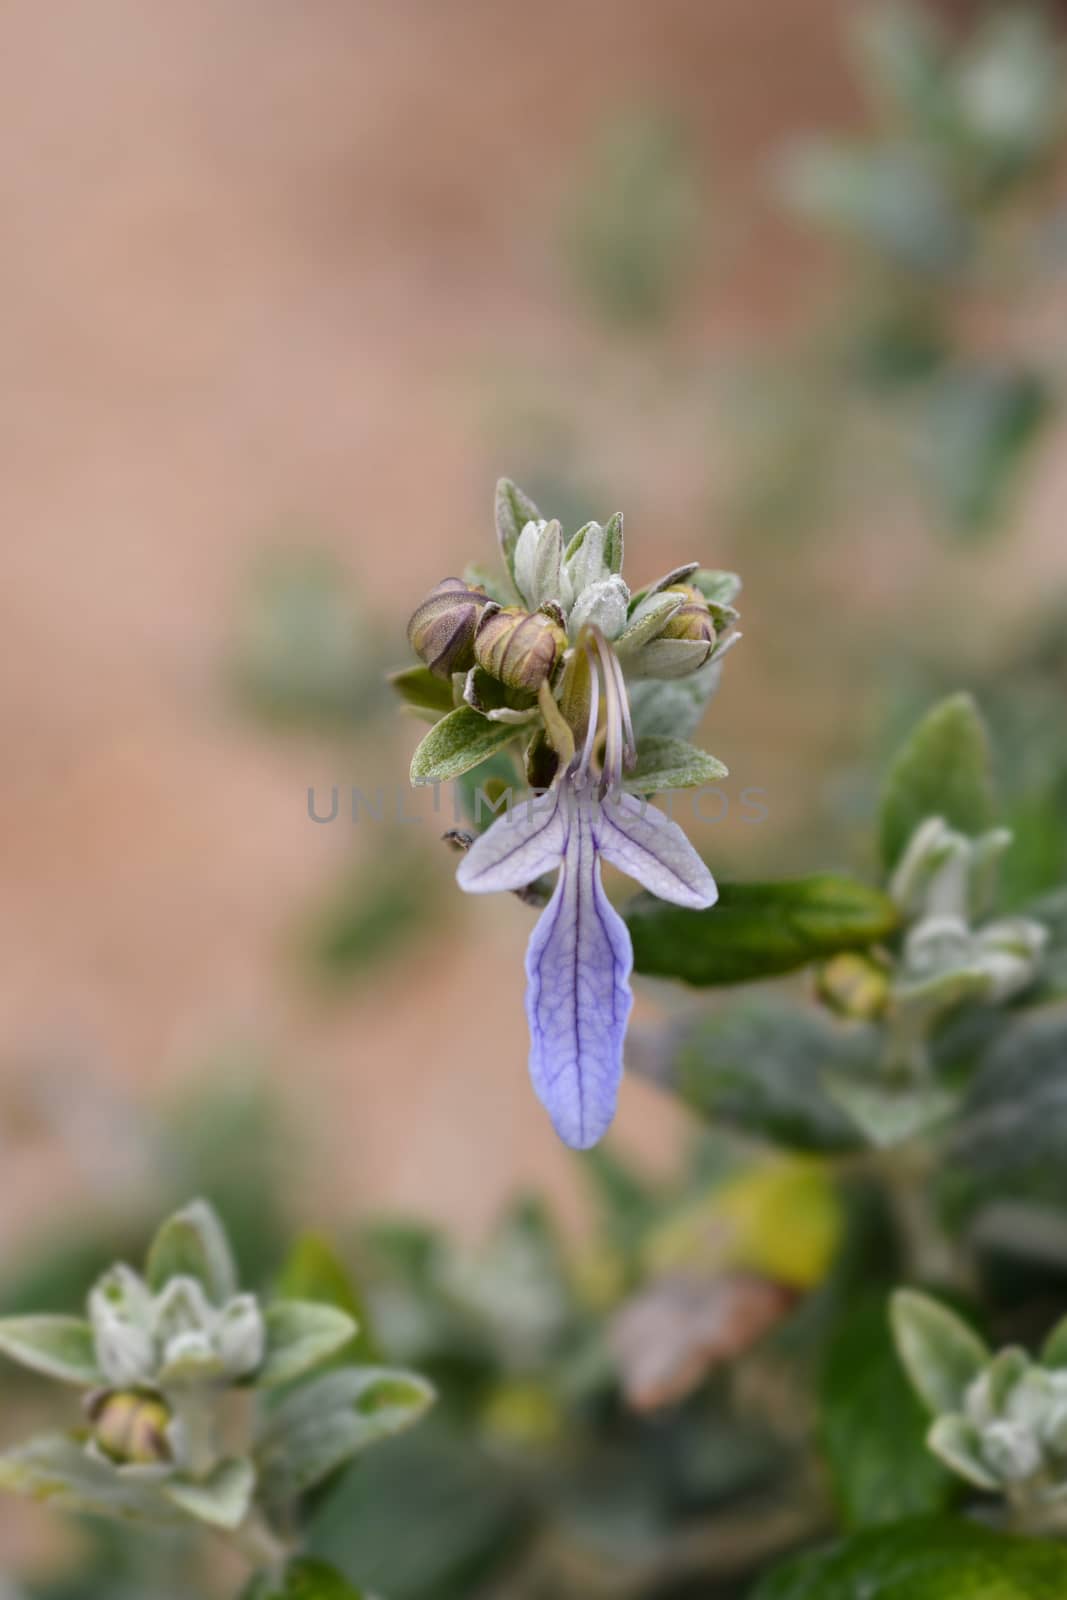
point(299, 1335)
point(56, 1469)
point(668, 658)
point(222, 1499)
point(193, 1244)
point(323, 1424)
point(956, 1442)
point(58, 1347)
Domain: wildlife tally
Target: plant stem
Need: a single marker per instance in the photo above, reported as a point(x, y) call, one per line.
point(259, 1545)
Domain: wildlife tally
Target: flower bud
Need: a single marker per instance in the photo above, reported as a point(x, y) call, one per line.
point(1011, 1451)
point(853, 986)
point(241, 1336)
point(692, 620)
point(441, 632)
point(130, 1427)
point(119, 1309)
point(519, 648)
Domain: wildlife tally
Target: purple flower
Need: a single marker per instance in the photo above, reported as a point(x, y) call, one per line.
point(579, 960)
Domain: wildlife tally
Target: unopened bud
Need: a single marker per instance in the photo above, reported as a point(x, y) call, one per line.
point(519, 648)
point(692, 620)
point(118, 1311)
point(241, 1336)
point(853, 986)
point(1011, 1451)
point(441, 632)
point(130, 1427)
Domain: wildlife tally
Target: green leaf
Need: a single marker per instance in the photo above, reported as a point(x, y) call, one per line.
point(457, 743)
point(419, 688)
point(300, 1335)
point(1008, 1141)
point(222, 1499)
point(942, 771)
point(58, 1347)
point(664, 763)
point(757, 930)
point(303, 1580)
point(473, 1519)
point(323, 1424)
point(758, 1066)
point(315, 1271)
point(940, 1352)
point(613, 542)
point(514, 510)
point(193, 1244)
point(873, 1428)
point(925, 1559)
point(57, 1469)
point(1054, 1349)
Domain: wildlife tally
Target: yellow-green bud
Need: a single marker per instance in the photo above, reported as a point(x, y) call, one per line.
point(692, 620)
point(519, 648)
point(853, 986)
point(130, 1426)
point(441, 632)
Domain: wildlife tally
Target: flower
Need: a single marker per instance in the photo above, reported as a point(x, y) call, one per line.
point(580, 958)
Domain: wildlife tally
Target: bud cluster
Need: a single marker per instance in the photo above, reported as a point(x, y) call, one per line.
point(1000, 1420)
point(160, 1356)
point(944, 886)
point(498, 644)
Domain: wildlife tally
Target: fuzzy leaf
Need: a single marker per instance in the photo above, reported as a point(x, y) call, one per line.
point(301, 1334)
point(58, 1347)
point(56, 1469)
point(613, 542)
point(222, 1500)
point(940, 1352)
point(1054, 1349)
point(757, 930)
point(887, 1114)
point(718, 588)
point(671, 764)
point(457, 743)
point(323, 1424)
point(303, 1580)
point(925, 1559)
point(758, 1067)
point(673, 708)
point(193, 1244)
point(873, 1428)
point(1008, 1141)
point(514, 510)
point(956, 1442)
point(423, 691)
point(942, 771)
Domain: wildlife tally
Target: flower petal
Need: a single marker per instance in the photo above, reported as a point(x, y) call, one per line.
point(649, 847)
point(578, 995)
point(525, 843)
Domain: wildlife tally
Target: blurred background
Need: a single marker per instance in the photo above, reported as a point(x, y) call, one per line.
point(286, 288)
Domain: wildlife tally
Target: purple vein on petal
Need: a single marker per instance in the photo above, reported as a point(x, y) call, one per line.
point(578, 995)
point(519, 848)
point(652, 849)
